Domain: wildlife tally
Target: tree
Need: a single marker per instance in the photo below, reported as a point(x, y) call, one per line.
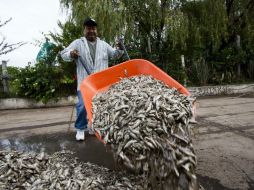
point(162, 30)
point(151, 29)
point(107, 13)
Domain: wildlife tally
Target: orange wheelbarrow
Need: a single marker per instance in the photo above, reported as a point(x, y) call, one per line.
point(102, 80)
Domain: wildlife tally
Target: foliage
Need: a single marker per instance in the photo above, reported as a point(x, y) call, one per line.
point(108, 15)
point(162, 31)
point(41, 82)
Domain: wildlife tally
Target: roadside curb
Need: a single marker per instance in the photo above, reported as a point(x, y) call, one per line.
point(21, 103)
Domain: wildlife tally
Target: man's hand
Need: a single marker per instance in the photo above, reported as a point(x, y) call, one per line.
point(74, 54)
point(119, 44)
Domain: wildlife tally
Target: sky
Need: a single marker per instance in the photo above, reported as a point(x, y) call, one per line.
point(30, 18)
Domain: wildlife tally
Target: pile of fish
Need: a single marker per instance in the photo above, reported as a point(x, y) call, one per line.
point(147, 125)
point(19, 170)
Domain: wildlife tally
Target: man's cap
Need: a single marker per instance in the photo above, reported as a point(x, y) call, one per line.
point(89, 22)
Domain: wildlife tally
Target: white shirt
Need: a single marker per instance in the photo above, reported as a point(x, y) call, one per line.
point(84, 62)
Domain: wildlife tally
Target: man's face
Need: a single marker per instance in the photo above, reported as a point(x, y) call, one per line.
point(90, 33)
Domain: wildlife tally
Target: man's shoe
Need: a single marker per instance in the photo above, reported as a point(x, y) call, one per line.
point(80, 135)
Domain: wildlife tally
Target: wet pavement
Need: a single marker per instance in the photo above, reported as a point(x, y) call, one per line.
point(91, 150)
point(223, 140)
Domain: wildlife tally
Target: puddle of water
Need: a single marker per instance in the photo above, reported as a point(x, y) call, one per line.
point(210, 183)
point(251, 185)
point(90, 150)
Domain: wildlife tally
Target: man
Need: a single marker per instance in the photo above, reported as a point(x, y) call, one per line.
point(91, 55)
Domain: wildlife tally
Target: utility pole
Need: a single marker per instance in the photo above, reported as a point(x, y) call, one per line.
point(5, 77)
point(238, 45)
point(183, 66)
point(149, 44)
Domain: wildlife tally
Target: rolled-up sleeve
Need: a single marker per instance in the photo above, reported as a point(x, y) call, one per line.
point(65, 54)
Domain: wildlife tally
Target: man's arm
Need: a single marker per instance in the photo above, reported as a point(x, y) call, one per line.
point(71, 52)
point(114, 53)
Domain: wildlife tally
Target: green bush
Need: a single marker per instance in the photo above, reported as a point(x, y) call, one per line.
point(42, 82)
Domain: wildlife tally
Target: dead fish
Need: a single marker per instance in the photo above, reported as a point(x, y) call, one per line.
point(62, 171)
point(149, 122)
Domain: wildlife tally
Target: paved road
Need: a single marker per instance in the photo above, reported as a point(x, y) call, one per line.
point(223, 140)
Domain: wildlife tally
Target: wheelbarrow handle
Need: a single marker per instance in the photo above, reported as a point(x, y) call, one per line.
point(123, 46)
